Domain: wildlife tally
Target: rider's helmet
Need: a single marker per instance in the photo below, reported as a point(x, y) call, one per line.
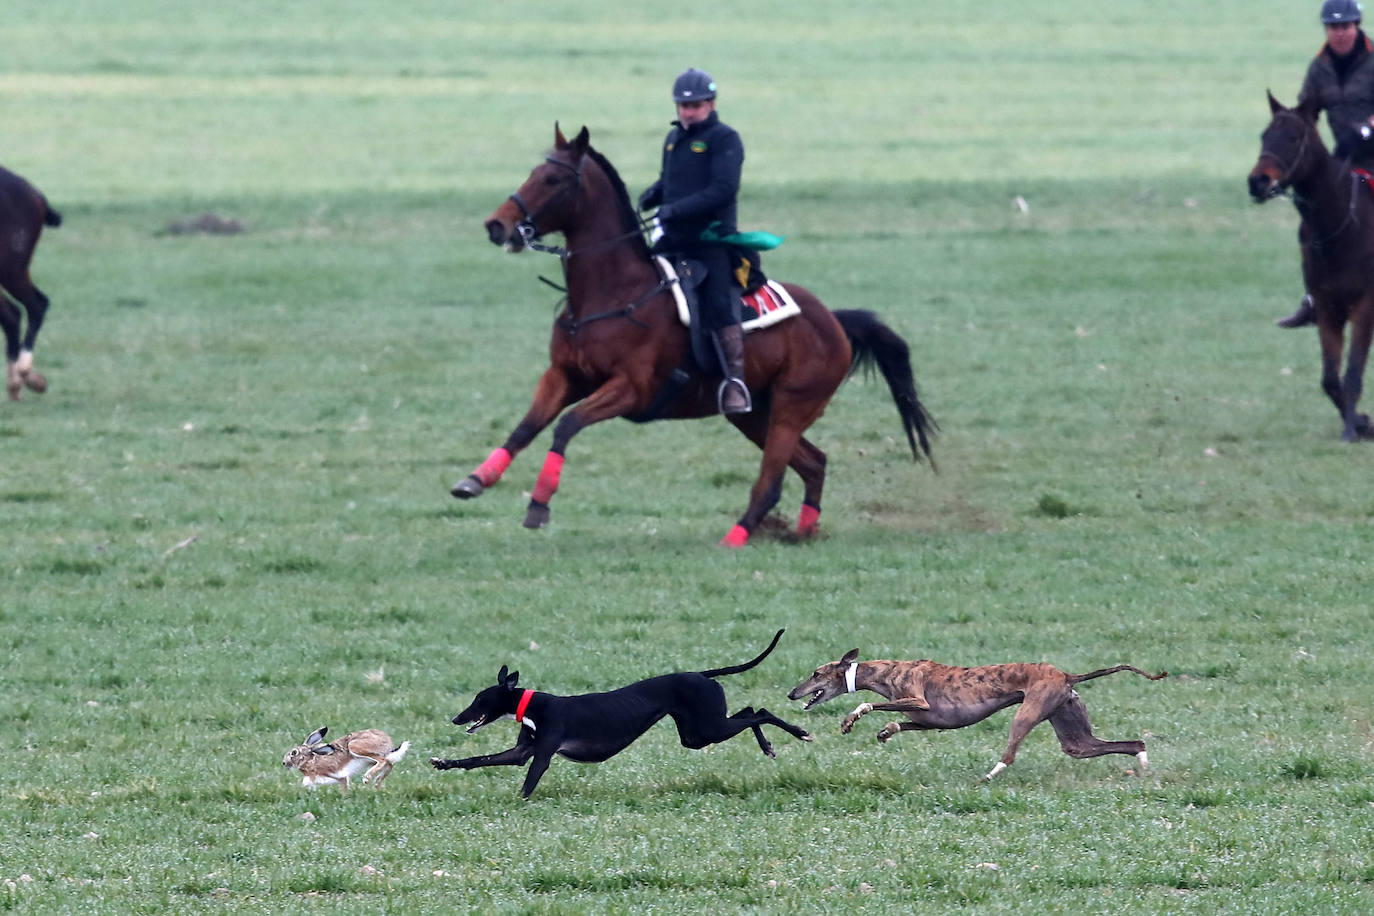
point(696, 85)
point(1334, 11)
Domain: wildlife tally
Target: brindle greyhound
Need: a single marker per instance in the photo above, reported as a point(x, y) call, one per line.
point(932, 695)
point(593, 727)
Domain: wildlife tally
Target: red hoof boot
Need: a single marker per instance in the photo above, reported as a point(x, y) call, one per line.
point(809, 521)
point(738, 537)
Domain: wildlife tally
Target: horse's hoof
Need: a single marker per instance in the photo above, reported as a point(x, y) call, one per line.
point(537, 515)
point(35, 381)
point(736, 538)
point(468, 488)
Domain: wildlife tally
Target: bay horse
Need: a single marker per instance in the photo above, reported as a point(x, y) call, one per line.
point(618, 341)
point(23, 214)
point(1337, 241)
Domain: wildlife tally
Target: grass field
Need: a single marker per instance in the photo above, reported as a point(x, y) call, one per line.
point(227, 522)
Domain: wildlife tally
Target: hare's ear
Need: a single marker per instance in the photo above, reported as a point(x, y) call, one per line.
point(510, 680)
point(850, 657)
point(316, 736)
point(324, 750)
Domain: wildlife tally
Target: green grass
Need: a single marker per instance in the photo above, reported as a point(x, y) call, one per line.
point(227, 522)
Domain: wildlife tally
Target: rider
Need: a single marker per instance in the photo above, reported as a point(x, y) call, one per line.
point(697, 186)
point(1340, 80)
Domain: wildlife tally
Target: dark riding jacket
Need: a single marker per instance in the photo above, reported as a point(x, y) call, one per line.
point(1344, 89)
point(699, 181)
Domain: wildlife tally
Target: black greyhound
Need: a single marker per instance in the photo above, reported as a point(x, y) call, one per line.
point(593, 727)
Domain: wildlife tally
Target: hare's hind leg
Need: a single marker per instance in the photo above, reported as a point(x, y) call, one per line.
point(377, 772)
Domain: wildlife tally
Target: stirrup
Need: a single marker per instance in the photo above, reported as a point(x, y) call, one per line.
point(720, 396)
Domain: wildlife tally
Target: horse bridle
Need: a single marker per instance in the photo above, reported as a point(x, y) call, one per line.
point(526, 226)
point(529, 237)
point(1286, 171)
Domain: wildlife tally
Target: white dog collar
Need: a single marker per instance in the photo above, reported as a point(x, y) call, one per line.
point(849, 676)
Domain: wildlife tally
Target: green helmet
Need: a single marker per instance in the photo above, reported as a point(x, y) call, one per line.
point(696, 85)
point(1335, 11)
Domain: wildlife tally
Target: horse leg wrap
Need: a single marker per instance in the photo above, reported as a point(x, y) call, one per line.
point(547, 484)
point(738, 537)
point(490, 471)
point(809, 520)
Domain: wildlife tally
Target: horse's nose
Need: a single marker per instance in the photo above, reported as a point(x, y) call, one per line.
point(1260, 185)
point(496, 232)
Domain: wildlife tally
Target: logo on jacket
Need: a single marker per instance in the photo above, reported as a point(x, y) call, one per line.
point(698, 146)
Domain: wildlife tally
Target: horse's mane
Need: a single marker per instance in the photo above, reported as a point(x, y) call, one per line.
point(629, 218)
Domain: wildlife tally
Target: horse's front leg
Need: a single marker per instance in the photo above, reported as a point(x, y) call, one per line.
point(1332, 337)
point(615, 398)
point(551, 395)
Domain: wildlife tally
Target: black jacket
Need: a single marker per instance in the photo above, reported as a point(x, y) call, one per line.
point(1345, 90)
point(699, 180)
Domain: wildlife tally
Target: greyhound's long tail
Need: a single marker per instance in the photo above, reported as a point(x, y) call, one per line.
point(1103, 672)
point(736, 669)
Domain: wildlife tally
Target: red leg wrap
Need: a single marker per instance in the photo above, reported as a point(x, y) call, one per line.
point(547, 484)
point(808, 521)
point(738, 537)
point(490, 471)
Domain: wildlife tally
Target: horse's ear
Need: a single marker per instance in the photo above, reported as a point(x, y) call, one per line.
point(1308, 109)
point(581, 142)
point(1274, 106)
point(559, 141)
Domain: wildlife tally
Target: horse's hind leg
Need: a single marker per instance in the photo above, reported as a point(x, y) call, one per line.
point(36, 304)
point(807, 460)
point(10, 323)
point(778, 448)
point(1361, 326)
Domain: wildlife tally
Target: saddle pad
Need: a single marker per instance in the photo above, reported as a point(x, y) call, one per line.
point(770, 302)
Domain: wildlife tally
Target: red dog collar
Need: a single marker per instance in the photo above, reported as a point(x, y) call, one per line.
point(523, 705)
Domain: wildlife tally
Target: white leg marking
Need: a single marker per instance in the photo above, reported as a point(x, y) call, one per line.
point(862, 709)
point(995, 770)
point(1144, 763)
point(25, 362)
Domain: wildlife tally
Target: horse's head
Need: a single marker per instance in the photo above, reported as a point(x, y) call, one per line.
point(1290, 147)
point(544, 202)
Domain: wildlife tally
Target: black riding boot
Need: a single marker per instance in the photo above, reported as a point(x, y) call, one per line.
point(1305, 315)
point(733, 394)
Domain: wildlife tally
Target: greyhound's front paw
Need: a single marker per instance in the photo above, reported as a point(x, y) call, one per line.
point(861, 710)
point(440, 764)
point(887, 731)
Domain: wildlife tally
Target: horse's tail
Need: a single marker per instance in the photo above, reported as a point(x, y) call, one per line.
point(874, 343)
